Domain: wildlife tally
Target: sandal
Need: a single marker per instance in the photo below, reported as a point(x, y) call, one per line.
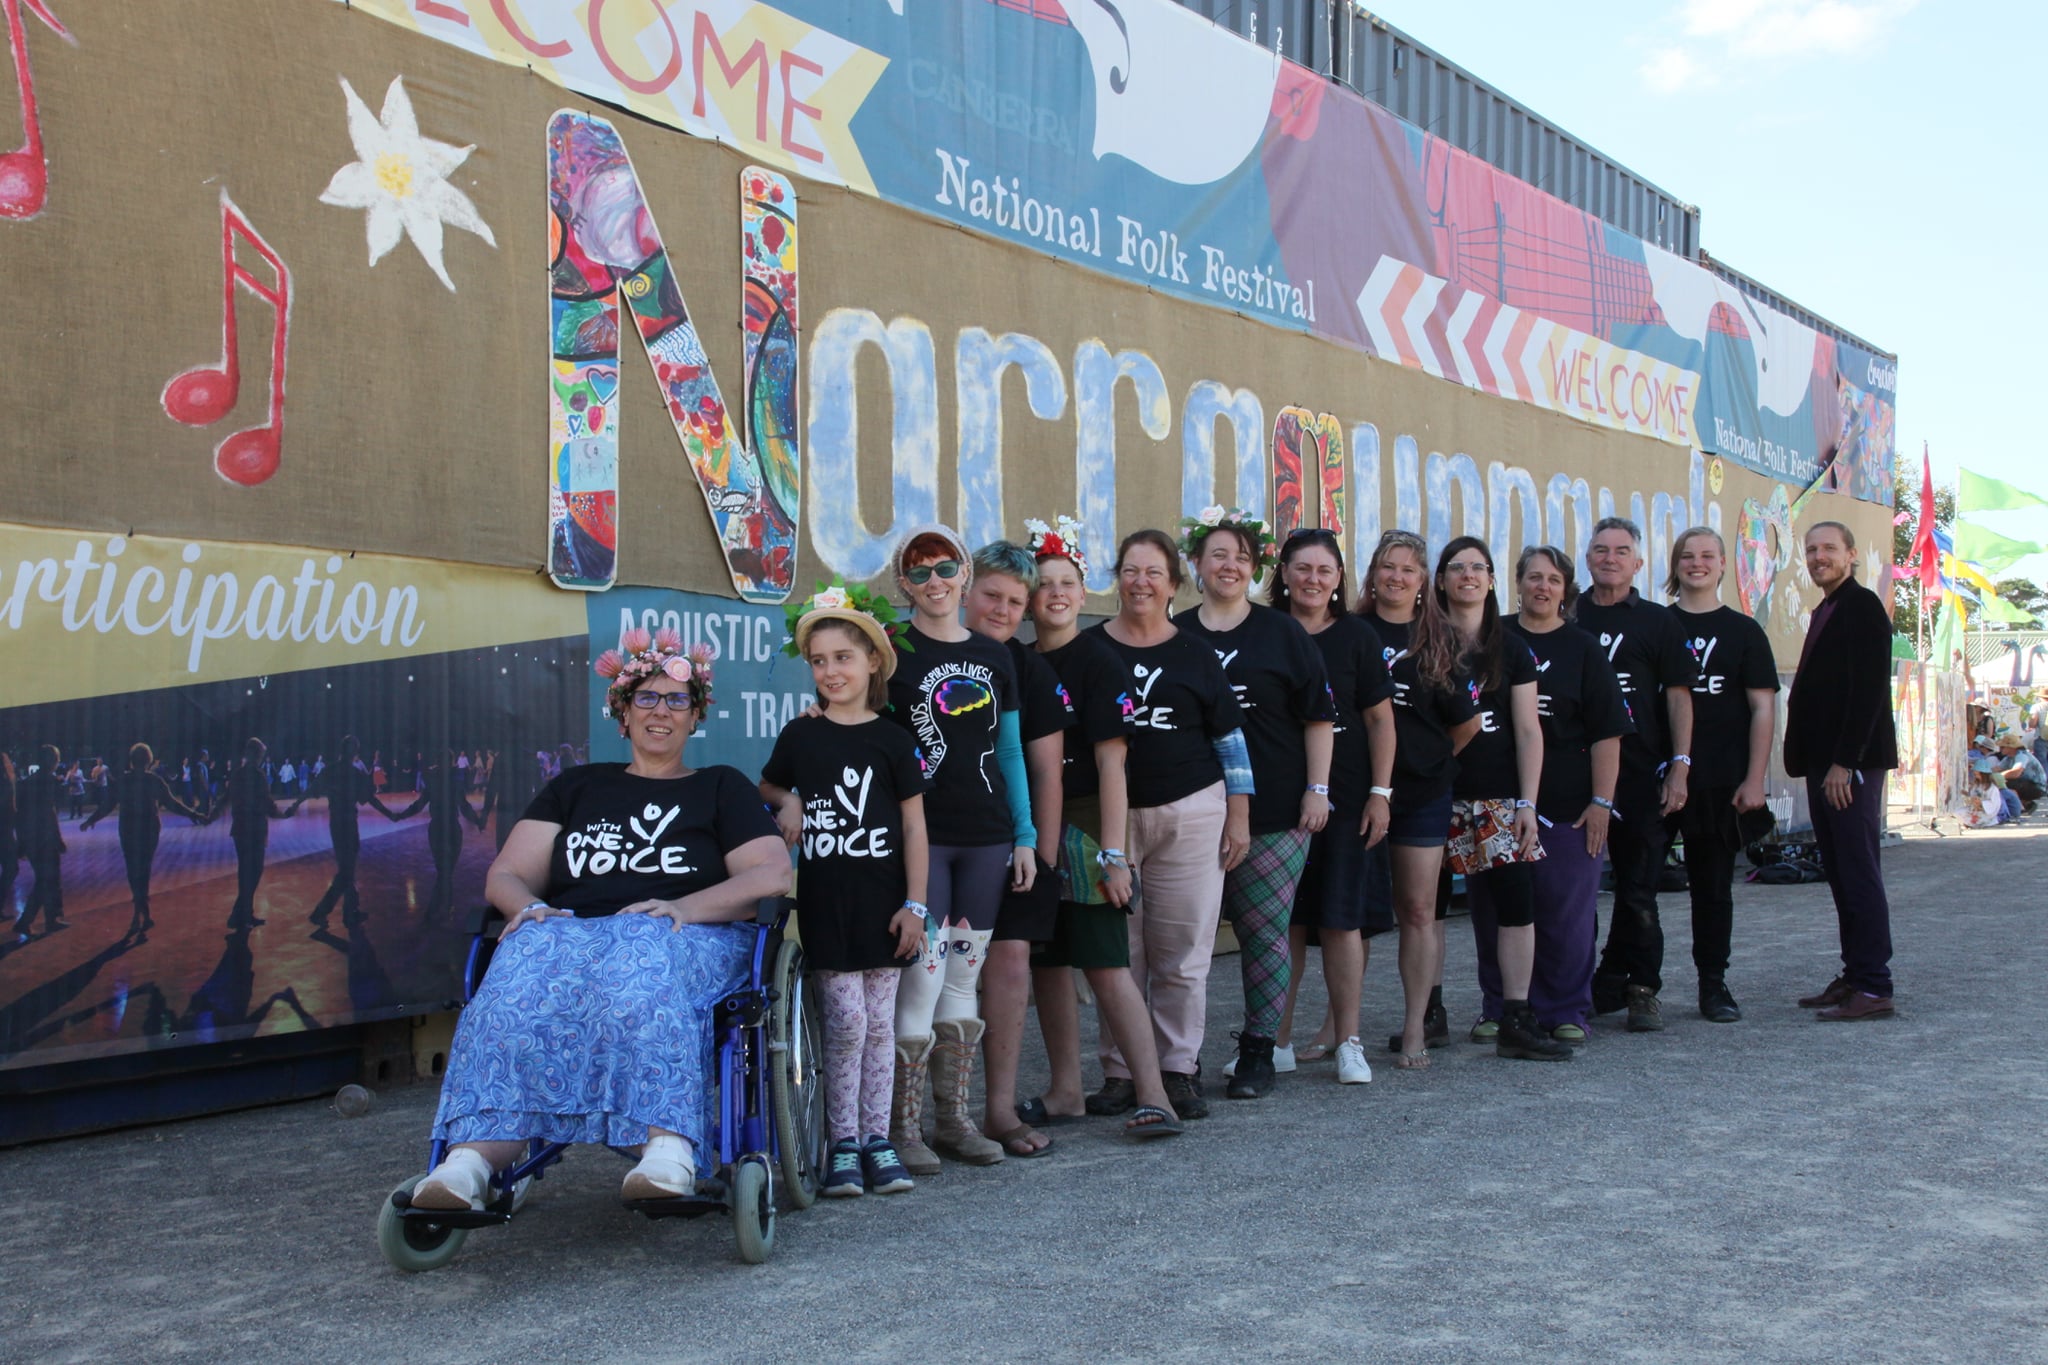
point(1017, 1142)
point(1116, 1096)
point(1413, 1061)
point(1034, 1112)
point(1150, 1121)
point(1315, 1052)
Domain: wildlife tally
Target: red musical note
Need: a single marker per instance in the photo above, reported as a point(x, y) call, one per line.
point(24, 175)
point(203, 395)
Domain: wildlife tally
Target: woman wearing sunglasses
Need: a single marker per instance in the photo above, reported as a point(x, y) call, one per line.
point(1494, 841)
point(1584, 717)
point(1278, 678)
point(1346, 894)
point(956, 691)
point(629, 891)
point(1434, 718)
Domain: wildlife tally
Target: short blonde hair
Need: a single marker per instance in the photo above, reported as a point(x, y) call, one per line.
point(1685, 537)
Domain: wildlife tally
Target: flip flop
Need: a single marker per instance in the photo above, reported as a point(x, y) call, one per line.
point(1034, 1112)
point(1315, 1052)
point(1413, 1061)
point(1150, 1121)
point(1017, 1142)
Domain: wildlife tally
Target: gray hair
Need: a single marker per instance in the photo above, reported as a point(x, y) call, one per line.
point(1635, 532)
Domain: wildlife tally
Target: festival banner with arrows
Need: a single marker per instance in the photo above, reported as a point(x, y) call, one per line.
point(1137, 138)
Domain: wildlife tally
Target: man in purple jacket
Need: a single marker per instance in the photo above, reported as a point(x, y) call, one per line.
point(1839, 737)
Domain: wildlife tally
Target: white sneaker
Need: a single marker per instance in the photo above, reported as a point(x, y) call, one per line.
point(460, 1182)
point(1352, 1068)
point(1283, 1060)
point(665, 1170)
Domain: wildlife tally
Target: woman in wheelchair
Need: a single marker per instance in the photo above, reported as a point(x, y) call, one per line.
point(593, 1023)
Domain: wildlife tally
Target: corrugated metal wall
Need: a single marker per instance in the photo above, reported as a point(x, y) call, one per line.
point(1348, 44)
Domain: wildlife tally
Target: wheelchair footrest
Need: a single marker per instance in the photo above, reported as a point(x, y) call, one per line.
point(711, 1197)
point(490, 1216)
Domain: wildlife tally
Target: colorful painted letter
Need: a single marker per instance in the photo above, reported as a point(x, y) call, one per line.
point(1308, 446)
point(603, 240)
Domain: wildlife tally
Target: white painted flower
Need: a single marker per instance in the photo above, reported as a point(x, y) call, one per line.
point(402, 179)
point(832, 599)
point(1210, 516)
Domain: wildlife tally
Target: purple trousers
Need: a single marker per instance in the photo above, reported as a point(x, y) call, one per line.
point(1567, 933)
point(1848, 842)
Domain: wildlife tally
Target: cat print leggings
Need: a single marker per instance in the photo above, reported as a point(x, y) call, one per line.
point(965, 890)
point(860, 1049)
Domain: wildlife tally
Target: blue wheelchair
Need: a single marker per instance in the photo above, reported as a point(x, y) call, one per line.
point(768, 1117)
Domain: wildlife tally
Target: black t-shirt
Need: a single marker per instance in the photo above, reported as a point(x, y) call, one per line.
point(1486, 767)
point(950, 696)
point(1180, 700)
point(1043, 705)
point(345, 788)
point(1097, 686)
point(1580, 703)
point(1278, 679)
point(627, 838)
point(1424, 717)
point(1734, 656)
point(1357, 669)
point(852, 780)
point(1646, 645)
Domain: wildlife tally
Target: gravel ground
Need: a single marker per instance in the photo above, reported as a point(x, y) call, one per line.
point(1773, 1190)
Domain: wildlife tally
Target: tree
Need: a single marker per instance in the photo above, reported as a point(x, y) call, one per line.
point(1906, 591)
point(2025, 594)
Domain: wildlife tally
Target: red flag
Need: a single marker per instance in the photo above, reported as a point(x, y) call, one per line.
point(1924, 551)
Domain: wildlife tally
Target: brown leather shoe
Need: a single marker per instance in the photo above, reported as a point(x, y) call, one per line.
point(1834, 993)
point(1858, 1006)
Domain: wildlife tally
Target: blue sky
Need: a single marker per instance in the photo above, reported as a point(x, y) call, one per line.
point(1851, 154)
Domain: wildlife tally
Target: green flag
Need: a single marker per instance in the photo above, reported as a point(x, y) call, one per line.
point(1988, 550)
point(1975, 493)
point(1996, 608)
point(1948, 633)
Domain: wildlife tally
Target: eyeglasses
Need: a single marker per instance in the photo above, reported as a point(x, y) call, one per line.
point(1310, 533)
point(675, 701)
point(1468, 566)
point(922, 574)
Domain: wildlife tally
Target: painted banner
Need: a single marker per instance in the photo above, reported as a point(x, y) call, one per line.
point(383, 722)
point(603, 243)
point(1137, 138)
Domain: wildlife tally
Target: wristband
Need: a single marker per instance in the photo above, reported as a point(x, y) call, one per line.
point(532, 904)
point(1524, 805)
point(1386, 792)
point(1604, 803)
point(924, 912)
point(1686, 759)
point(1319, 789)
point(1111, 857)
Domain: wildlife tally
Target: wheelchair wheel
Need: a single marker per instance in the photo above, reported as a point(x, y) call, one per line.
point(411, 1245)
point(796, 1081)
point(753, 1207)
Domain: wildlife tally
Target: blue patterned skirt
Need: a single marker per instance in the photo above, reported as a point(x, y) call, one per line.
point(591, 1030)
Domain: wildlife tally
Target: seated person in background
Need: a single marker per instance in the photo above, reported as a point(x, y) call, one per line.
point(593, 1024)
point(1984, 801)
point(2023, 773)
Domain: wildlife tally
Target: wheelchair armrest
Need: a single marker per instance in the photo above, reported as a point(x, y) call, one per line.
point(487, 922)
point(772, 910)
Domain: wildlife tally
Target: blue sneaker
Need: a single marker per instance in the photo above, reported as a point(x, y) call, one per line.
point(843, 1180)
point(885, 1171)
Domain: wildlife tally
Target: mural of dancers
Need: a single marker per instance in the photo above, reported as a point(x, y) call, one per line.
point(345, 784)
point(246, 796)
point(36, 798)
point(446, 807)
point(10, 846)
point(138, 794)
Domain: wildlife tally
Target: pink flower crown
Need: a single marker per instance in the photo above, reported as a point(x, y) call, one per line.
point(641, 655)
point(1062, 540)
